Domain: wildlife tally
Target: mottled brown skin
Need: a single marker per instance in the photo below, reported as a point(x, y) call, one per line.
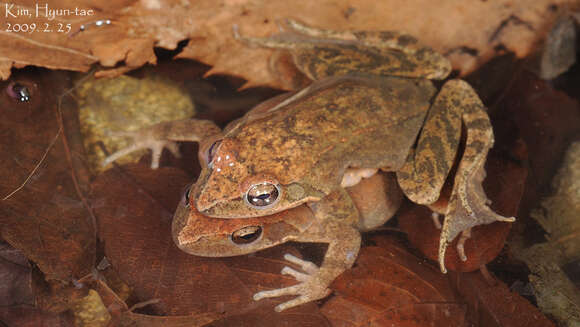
point(370, 103)
point(307, 145)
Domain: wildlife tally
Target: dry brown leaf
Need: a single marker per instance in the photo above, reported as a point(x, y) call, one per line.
point(122, 316)
point(391, 287)
point(548, 120)
point(48, 46)
point(55, 296)
point(454, 28)
point(28, 316)
point(495, 305)
point(45, 219)
point(57, 42)
point(15, 277)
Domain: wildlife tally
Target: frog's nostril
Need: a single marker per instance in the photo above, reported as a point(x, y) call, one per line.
point(246, 235)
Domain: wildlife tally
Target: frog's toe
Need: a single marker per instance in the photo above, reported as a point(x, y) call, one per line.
point(157, 150)
point(121, 153)
point(506, 219)
point(435, 216)
point(246, 39)
point(302, 299)
point(301, 28)
point(266, 42)
point(292, 303)
point(155, 146)
point(465, 235)
point(301, 277)
point(307, 292)
point(292, 290)
point(309, 267)
point(236, 31)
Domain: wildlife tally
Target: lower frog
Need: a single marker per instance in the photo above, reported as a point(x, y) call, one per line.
point(376, 198)
point(371, 106)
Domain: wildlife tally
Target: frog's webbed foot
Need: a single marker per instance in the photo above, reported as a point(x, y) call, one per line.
point(468, 207)
point(143, 139)
point(310, 288)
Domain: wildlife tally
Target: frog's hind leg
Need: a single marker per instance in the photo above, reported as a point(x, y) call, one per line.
point(425, 170)
point(422, 176)
point(468, 204)
point(320, 53)
point(402, 54)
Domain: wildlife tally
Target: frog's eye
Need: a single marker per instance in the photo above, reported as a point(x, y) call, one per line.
point(263, 195)
point(210, 154)
point(185, 197)
point(19, 92)
point(246, 235)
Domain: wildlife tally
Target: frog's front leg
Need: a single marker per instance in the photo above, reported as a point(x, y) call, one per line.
point(165, 135)
point(426, 168)
point(335, 218)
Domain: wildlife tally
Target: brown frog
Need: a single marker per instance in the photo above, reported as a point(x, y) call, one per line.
point(376, 198)
point(371, 107)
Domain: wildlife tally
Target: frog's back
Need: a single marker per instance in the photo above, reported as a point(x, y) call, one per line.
point(338, 123)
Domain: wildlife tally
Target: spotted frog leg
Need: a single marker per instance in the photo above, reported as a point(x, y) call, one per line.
point(165, 135)
point(405, 56)
point(424, 172)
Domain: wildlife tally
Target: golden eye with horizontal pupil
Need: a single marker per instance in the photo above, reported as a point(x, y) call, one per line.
point(246, 235)
point(263, 195)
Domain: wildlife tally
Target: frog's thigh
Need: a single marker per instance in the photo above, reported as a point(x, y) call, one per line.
point(377, 199)
point(423, 174)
